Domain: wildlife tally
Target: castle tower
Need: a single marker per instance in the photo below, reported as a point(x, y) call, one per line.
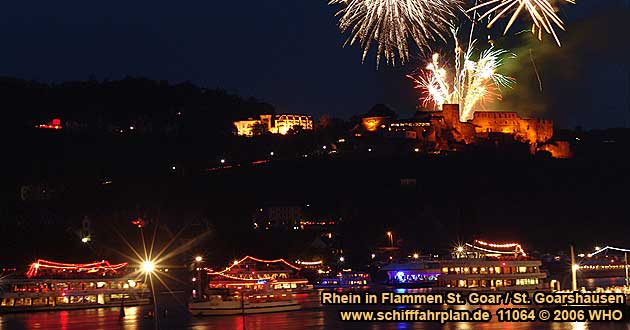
point(450, 112)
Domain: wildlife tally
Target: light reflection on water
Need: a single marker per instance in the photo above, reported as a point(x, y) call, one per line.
point(313, 316)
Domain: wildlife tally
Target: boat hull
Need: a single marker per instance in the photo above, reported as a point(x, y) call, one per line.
point(29, 309)
point(206, 309)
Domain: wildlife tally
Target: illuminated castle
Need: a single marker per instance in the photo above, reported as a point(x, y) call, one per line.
point(442, 129)
point(275, 124)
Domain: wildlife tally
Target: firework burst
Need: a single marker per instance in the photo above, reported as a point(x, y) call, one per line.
point(471, 84)
point(542, 13)
point(392, 23)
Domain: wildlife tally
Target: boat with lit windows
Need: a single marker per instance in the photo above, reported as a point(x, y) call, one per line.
point(481, 266)
point(417, 274)
point(226, 301)
point(345, 279)
point(51, 285)
point(256, 274)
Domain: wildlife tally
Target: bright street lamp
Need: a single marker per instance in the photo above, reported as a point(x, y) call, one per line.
point(198, 258)
point(148, 267)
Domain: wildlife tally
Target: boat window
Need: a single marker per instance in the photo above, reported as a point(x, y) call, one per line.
point(76, 299)
point(62, 300)
point(118, 296)
point(7, 302)
point(90, 299)
point(39, 301)
point(61, 286)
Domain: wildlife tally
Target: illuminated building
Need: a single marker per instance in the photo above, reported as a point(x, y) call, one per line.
point(372, 124)
point(283, 123)
point(53, 124)
point(442, 130)
point(255, 273)
point(483, 265)
point(279, 216)
point(525, 129)
point(275, 124)
point(246, 127)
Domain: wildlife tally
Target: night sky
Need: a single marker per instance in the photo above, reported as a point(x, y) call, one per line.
point(289, 53)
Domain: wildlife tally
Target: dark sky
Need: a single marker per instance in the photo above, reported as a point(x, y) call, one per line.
point(289, 53)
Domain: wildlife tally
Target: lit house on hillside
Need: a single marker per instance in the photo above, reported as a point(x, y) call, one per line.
point(275, 124)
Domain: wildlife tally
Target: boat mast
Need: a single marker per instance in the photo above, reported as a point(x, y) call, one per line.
point(574, 268)
point(626, 260)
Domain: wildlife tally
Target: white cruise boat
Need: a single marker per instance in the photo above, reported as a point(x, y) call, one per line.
point(52, 285)
point(217, 302)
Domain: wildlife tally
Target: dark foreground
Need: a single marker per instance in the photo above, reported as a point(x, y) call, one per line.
point(313, 316)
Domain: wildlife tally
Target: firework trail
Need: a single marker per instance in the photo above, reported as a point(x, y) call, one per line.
point(392, 23)
point(542, 13)
point(471, 84)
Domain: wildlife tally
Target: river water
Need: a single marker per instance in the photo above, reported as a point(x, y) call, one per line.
point(312, 316)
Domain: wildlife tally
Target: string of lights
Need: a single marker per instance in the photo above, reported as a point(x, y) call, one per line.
point(515, 246)
point(257, 260)
point(103, 265)
point(608, 248)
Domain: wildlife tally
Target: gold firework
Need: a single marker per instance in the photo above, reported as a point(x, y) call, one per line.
point(544, 16)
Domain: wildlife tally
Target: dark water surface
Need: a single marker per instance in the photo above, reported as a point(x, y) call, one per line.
point(312, 316)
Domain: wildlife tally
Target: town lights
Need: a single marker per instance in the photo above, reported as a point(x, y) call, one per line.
point(342, 259)
point(373, 255)
point(390, 236)
point(222, 161)
point(460, 249)
point(416, 256)
point(85, 239)
point(198, 258)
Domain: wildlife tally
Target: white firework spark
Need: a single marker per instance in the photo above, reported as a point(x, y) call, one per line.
point(392, 23)
point(472, 82)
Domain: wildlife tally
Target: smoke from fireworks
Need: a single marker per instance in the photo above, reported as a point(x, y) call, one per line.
point(542, 13)
point(471, 84)
point(391, 23)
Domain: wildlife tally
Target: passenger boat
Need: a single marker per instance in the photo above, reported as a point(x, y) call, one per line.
point(51, 285)
point(345, 279)
point(257, 274)
point(217, 302)
point(418, 274)
point(483, 266)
